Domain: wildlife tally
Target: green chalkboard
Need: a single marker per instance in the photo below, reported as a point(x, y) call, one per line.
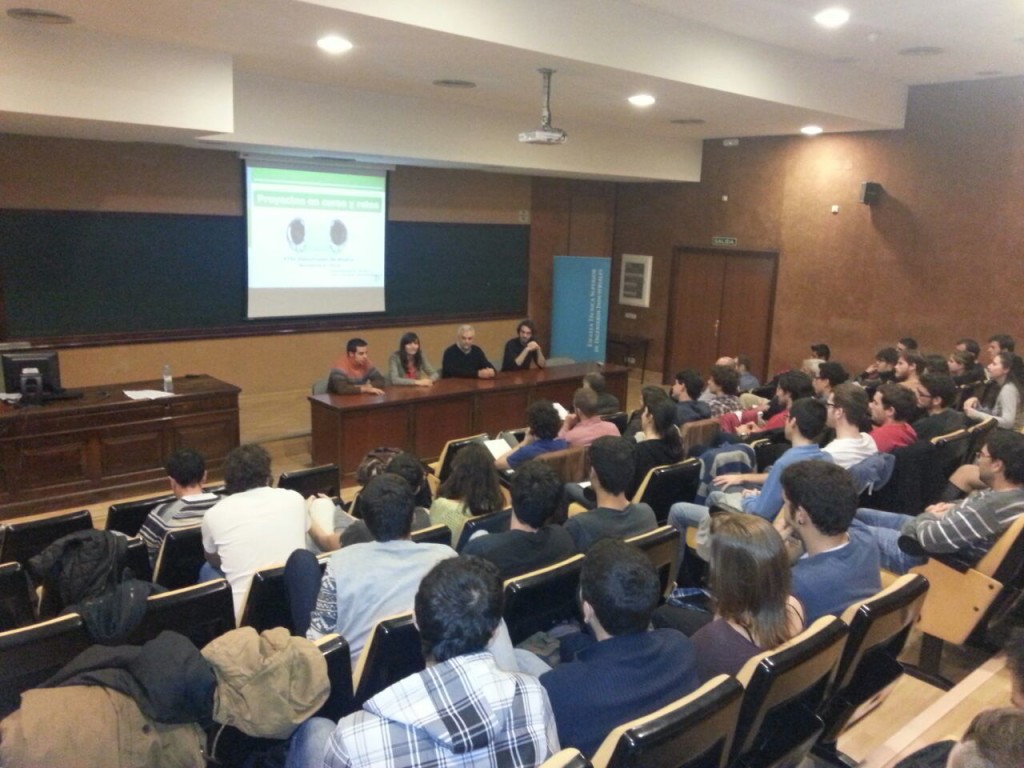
point(79, 274)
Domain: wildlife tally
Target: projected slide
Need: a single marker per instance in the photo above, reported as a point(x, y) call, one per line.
point(315, 240)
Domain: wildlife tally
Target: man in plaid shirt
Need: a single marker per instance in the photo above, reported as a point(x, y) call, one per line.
point(462, 710)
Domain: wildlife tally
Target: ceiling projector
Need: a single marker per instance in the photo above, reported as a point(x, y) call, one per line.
point(546, 134)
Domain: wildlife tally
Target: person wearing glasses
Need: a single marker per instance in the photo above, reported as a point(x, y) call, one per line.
point(936, 394)
point(847, 413)
point(969, 527)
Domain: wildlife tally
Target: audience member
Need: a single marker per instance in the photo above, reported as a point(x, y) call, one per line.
point(531, 541)
point(723, 384)
point(967, 528)
point(584, 424)
point(186, 472)
point(936, 396)
point(748, 381)
point(612, 467)
point(999, 342)
point(471, 489)
point(830, 375)
point(834, 565)
point(254, 527)
point(685, 392)
point(607, 403)
point(821, 352)
point(462, 710)
point(365, 582)
point(892, 409)
point(906, 344)
point(790, 387)
point(649, 394)
point(464, 359)
point(523, 351)
point(964, 368)
point(882, 369)
point(662, 443)
point(630, 671)
point(1006, 372)
point(994, 739)
point(935, 363)
point(542, 425)
point(408, 366)
point(908, 369)
point(354, 374)
point(749, 580)
point(848, 415)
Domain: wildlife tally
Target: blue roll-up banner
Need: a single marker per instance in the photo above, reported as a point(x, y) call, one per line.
point(579, 307)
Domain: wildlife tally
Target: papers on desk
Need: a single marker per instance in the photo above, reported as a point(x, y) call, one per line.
point(10, 397)
point(146, 394)
point(500, 445)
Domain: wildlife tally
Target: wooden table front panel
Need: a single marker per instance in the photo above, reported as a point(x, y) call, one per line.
point(444, 420)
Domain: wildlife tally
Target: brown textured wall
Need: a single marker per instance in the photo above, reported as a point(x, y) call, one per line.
point(938, 258)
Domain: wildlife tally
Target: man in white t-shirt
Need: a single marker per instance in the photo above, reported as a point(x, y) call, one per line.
point(255, 527)
point(848, 414)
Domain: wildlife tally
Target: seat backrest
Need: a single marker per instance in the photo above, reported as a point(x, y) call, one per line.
point(869, 666)
point(620, 419)
point(391, 653)
point(451, 449)
point(694, 732)
point(32, 654)
point(538, 600)
point(700, 432)
point(434, 534)
point(978, 435)
point(785, 688)
point(1006, 557)
point(22, 541)
point(665, 485)
point(567, 758)
point(128, 516)
point(16, 598)
point(136, 558)
point(201, 612)
point(662, 547)
point(180, 558)
point(496, 522)
point(572, 465)
point(339, 672)
point(913, 474)
point(309, 482)
point(266, 604)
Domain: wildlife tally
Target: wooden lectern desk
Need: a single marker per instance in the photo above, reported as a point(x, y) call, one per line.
point(422, 419)
point(104, 445)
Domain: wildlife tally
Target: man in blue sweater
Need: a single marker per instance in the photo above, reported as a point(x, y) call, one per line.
point(630, 671)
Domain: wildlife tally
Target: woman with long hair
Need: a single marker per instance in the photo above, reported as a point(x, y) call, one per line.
point(1002, 400)
point(408, 367)
point(472, 489)
point(749, 584)
point(662, 442)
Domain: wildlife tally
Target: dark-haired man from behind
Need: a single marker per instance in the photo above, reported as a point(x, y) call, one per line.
point(936, 394)
point(584, 425)
point(462, 710)
point(542, 425)
point(365, 582)
point(892, 407)
point(612, 465)
point(630, 671)
point(834, 565)
point(607, 403)
point(186, 471)
point(723, 384)
point(685, 392)
point(354, 374)
point(530, 543)
point(969, 527)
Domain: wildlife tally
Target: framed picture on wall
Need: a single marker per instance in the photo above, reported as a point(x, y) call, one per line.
point(635, 281)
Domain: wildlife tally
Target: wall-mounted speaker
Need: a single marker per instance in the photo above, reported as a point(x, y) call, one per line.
point(870, 192)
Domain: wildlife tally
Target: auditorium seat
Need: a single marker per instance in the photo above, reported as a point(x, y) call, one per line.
point(391, 653)
point(16, 597)
point(662, 548)
point(567, 758)
point(703, 432)
point(695, 731)
point(32, 654)
point(201, 612)
point(538, 600)
point(309, 482)
point(180, 558)
point(496, 522)
point(665, 485)
point(434, 534)
point(869, 667)
point(128, 516)
point(22, 541)
point(783, 690)
point(443, 466)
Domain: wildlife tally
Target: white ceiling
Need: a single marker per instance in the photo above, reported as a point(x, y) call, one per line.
point(743, 67)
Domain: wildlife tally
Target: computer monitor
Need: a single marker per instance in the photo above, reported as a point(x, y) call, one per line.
point(45, 362)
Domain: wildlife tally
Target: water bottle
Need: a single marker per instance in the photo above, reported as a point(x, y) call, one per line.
point(168, 379)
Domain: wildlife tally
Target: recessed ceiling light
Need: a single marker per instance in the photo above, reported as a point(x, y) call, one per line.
point(641, 100)
point(38, 16)
point(921, 50)
point(455, 84)
point(687, 121)
point(832, 18)
point(811, 130)
point(334, 44)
